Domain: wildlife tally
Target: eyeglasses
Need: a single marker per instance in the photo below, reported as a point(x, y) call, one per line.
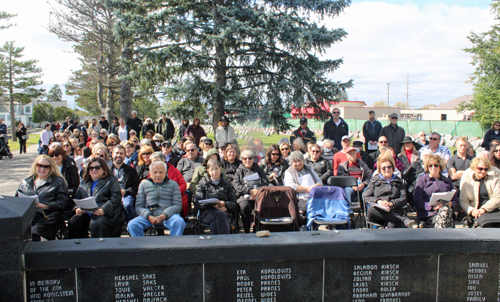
point(190, 150)
point(55, 155)
point(382, 142)
point(94, 168)
point(285, 149)
point(386, 168)
point(208, 144)
point(433, 139)
point(112, 145)
point(496, 150)
point(315, 151)
point(275, 154)
point(247, 158)
point(336, 112)
point(483, 169)
point(146, 153)
point(44, 167)
point(433, 166)
point(166, 146)
point(394, 118)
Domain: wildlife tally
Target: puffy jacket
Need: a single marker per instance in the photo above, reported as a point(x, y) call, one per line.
point(366, 174)
point(166, 128)
point(240, 185)
point(469, 191)
point(270, 169)
point(130, 180)
point(423, 192)
point(187, 167)
point(107, 194)
point(488, 137)
point(230, 168)
point(70, 173)
point(322, 167)
point(157, 199)
point(201, 171)
point(380, 189)
point(53, 193)
point(223, 191)
point(146, 127)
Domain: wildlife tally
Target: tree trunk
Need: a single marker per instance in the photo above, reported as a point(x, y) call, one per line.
point(220, 77)
point(110, 102)
point(126, 96)
point(11, 101)
point(100, 100)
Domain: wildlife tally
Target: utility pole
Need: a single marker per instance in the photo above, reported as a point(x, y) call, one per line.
point(388, 100)
point(407, 89)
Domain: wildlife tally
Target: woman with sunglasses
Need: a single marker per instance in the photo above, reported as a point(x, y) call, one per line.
point(274, 166)
point(285, 150)
point(67, 166)
point(48, 184)
point(433, 181)
point(319, 164)
point(247, 190)
point(104, 134)
point(107, 220)
point(21, 134)
point(492, 134)
point(387, 195)
point(495, 156)
point(480, 194)
point(144, 162)
point(101, 151)
point(156, 142)
point(68, 148)
point(231, 161)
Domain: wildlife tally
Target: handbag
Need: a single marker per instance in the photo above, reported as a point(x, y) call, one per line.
point(25, 137)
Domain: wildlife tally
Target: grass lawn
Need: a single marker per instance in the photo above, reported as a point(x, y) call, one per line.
point(33, 139)
point(267, 140)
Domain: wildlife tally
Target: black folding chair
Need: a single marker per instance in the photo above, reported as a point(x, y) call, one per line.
point(349, 181)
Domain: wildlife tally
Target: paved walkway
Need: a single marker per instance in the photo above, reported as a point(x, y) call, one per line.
point(13, 171)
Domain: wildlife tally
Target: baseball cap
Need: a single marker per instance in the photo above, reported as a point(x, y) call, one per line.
point(303, 120)
point(346, 137)
point(349, 149)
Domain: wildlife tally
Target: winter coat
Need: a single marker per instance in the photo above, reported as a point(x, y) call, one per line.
point(366, 174)
point(130, 180)
point(230, 168)
point(469, 191)
point(322, 167)
point(334, 132)
point(423, 192)
point(241, 186)
point(145, 128)
point(404, 159)
point(196, 132)
point(223, 191)
point(135, 124)
point(371, 134)
point(488, 137)
point(176, 176)
point(201, 171)
point(307, 136)
point(166, 128)
point(225, 135)
point(187, 167)
point(70, 173)
point(107, 194)
point(394, 135)
point(380, 189)
point(273, 167)
point(157, 199)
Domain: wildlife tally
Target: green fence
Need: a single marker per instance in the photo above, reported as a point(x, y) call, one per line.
point(455, 128)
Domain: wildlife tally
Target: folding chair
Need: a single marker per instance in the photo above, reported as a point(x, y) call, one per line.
point(275, 208)
point(233, 223)
point(327, 205)
point(349, 181)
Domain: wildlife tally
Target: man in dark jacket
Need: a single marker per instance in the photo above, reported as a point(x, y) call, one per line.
point(394, 133)
point(371, 132)
point(319, 164)
point(188, 164)
point(335, 129)
point(135, 123)
point(183, 127)
point(170, 157)
point(303, 132)
point(104, 123)
point(165, 127)
point(371, 159)
point(114, 125)
point(128, 180)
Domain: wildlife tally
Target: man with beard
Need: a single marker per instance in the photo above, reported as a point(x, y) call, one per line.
point(128, 180)
point(196, 131)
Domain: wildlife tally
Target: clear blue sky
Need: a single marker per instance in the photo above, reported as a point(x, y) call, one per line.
point(467, 3)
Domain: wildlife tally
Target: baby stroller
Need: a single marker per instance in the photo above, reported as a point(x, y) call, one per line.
point(4, 148)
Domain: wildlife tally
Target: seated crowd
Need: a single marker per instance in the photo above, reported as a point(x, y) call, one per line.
point(156, 182)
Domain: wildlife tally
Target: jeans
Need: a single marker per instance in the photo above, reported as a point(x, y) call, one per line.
point(128, 205)
point(351, 196)
point(175, 224)
point(217, 219)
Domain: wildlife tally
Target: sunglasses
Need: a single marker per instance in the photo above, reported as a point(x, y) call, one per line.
point(166, 145)
point(394, 118)
point(283, 149)
point(338, 112)
point(247, 158)
point(55, 155)
point(483, 169)
point(146, 153)
point(94, 168)
point(208, 144)
point(496, 150)
point(386, 168)
point(433, 139)
point(112, 145)
point(189, 150)
point(44, 167)
point(275, 154)
point(314, 151)
point(433, 166)
point(382, 142)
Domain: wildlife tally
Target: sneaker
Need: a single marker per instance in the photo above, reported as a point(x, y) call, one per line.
point(422, 224)
point(408, 222)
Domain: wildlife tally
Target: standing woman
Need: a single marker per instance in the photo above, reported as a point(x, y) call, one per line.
point(491, 134)
point(47, 183)
point(108, 219)
point(122, 130)
point(22, 136)
point(224, 133)
point(183, 127)
point(274, 165)
point(432, 181)
point(82, 137)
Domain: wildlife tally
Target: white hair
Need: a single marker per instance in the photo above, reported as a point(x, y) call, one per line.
point(484, 154)
point(159, 162)
point(296, 156)
point(134, 111)
point(426, 152)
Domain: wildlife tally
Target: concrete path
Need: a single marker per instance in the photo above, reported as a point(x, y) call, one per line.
point(13, 171)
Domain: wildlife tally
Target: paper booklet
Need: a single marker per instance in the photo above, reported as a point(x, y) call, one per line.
point(79, 162)
point(209, 201)
point(372, 147)
point(387, 209)
point(444, 196)
point(28, 196)
point(306, 181)
point(87, 204)
point(251, 177)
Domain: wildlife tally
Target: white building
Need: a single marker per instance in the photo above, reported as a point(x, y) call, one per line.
point(24, 113)
point(444, 112)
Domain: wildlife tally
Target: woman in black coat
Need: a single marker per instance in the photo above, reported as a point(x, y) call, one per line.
point(214, 186)
point(67, 167)
point(246, 190)
point(47, 183)
point(107, 220)
point(20, 133)
point(274, 165)
point(491, 135)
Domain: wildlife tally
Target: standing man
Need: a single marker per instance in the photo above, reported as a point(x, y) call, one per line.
point(165, 127)
point(128, 180)
point(371, 132)
point(196, 131)
point(436, 147)
point(335, 128)
point(303, 132)
point(3, 127)
point(394, 134)
point(45, 138)
point(135, 123)
point(104, 123)
point(188, 164)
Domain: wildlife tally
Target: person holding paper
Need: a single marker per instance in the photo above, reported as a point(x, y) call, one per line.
point(201, 171)
point(107, 220)
point(302, 179)
point(386, 194)
point(215, 186)
point(158, 202)
point(480, 194)
point(247, 179)
point(46, 182)
point(274, 165)
point(433, 181)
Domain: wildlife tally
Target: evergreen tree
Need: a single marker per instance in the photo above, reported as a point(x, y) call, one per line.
point(251, 58)
point(6, 16)
point(55, 93)
point(18, 78)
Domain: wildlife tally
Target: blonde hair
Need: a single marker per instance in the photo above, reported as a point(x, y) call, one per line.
point(385, 157)
point(54, 169)
point(144, 149)
point(434, 158)
point(477, 160)
point(101, 146)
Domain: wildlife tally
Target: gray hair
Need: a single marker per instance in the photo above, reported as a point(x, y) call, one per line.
point(300, 143)
point(484, 154)
point(327, 141)
point(158, 162)
point(144, 142)
point(213, 162)
point(134, 111)
point(157, 156)
point(425, 152)
point(296, 156)
point(248, 153)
